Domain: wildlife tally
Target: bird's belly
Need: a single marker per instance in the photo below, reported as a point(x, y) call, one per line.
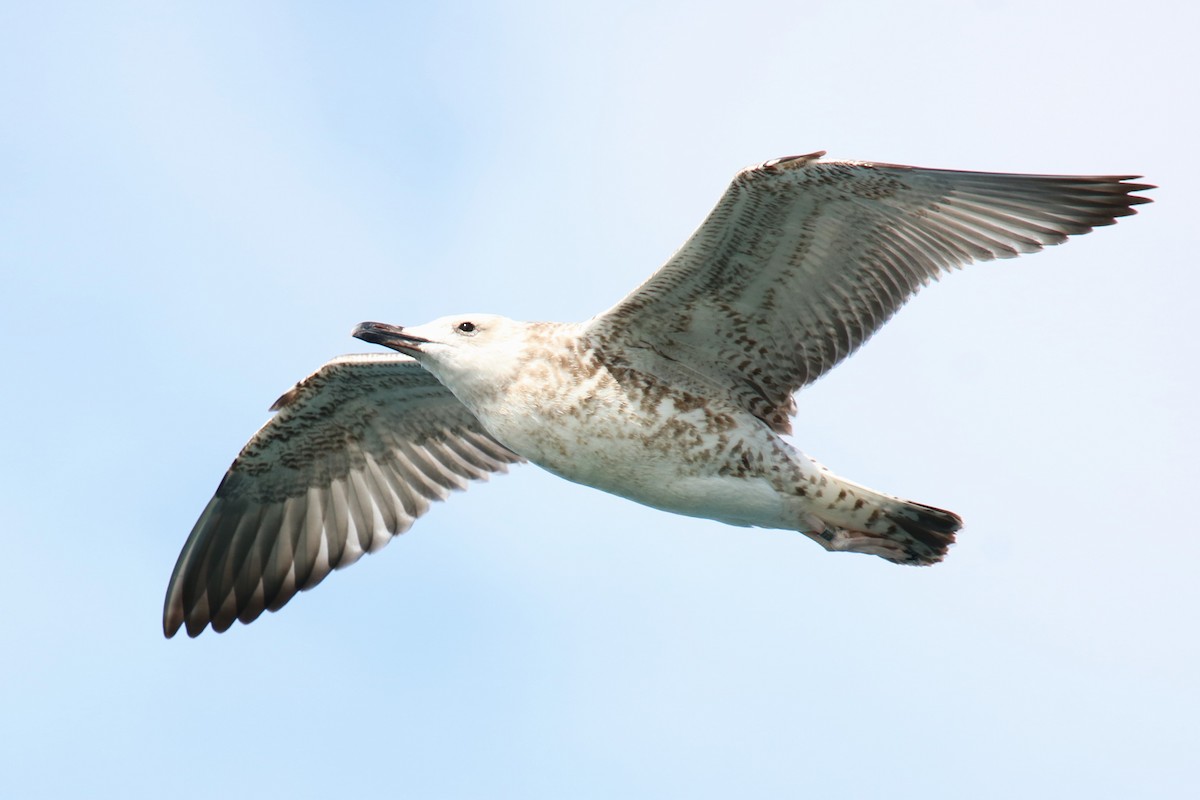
point(678, 464)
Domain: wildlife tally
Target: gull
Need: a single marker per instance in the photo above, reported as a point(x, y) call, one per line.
point(678, 397)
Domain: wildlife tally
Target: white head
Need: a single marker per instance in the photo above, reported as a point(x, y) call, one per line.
point(472, 354)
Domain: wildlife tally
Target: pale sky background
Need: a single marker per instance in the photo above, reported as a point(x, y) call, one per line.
point(199, 201)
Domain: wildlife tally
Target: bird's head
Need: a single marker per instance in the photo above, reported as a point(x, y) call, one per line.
point(472, 354)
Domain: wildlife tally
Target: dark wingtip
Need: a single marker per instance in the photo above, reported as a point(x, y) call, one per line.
point(195, 627)
point(1138, 199)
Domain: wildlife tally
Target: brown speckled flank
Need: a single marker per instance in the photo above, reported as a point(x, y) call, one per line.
point(676, 397)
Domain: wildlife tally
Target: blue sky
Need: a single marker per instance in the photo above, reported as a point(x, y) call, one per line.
point(200, 201)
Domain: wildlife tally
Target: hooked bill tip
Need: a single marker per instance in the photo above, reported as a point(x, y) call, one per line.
point(392, 336)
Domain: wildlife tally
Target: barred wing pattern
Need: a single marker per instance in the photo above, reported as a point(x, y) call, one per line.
point(356, 453)
point(802, 260)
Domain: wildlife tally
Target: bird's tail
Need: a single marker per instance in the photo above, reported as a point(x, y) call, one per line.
point(903, 532)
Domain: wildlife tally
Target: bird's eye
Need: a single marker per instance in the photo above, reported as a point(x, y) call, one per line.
point(466, 327)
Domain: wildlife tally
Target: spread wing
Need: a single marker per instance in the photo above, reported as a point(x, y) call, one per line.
point(356, 453)
point(802, 260)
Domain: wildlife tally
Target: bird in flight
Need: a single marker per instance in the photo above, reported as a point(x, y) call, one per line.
point(677, 397)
